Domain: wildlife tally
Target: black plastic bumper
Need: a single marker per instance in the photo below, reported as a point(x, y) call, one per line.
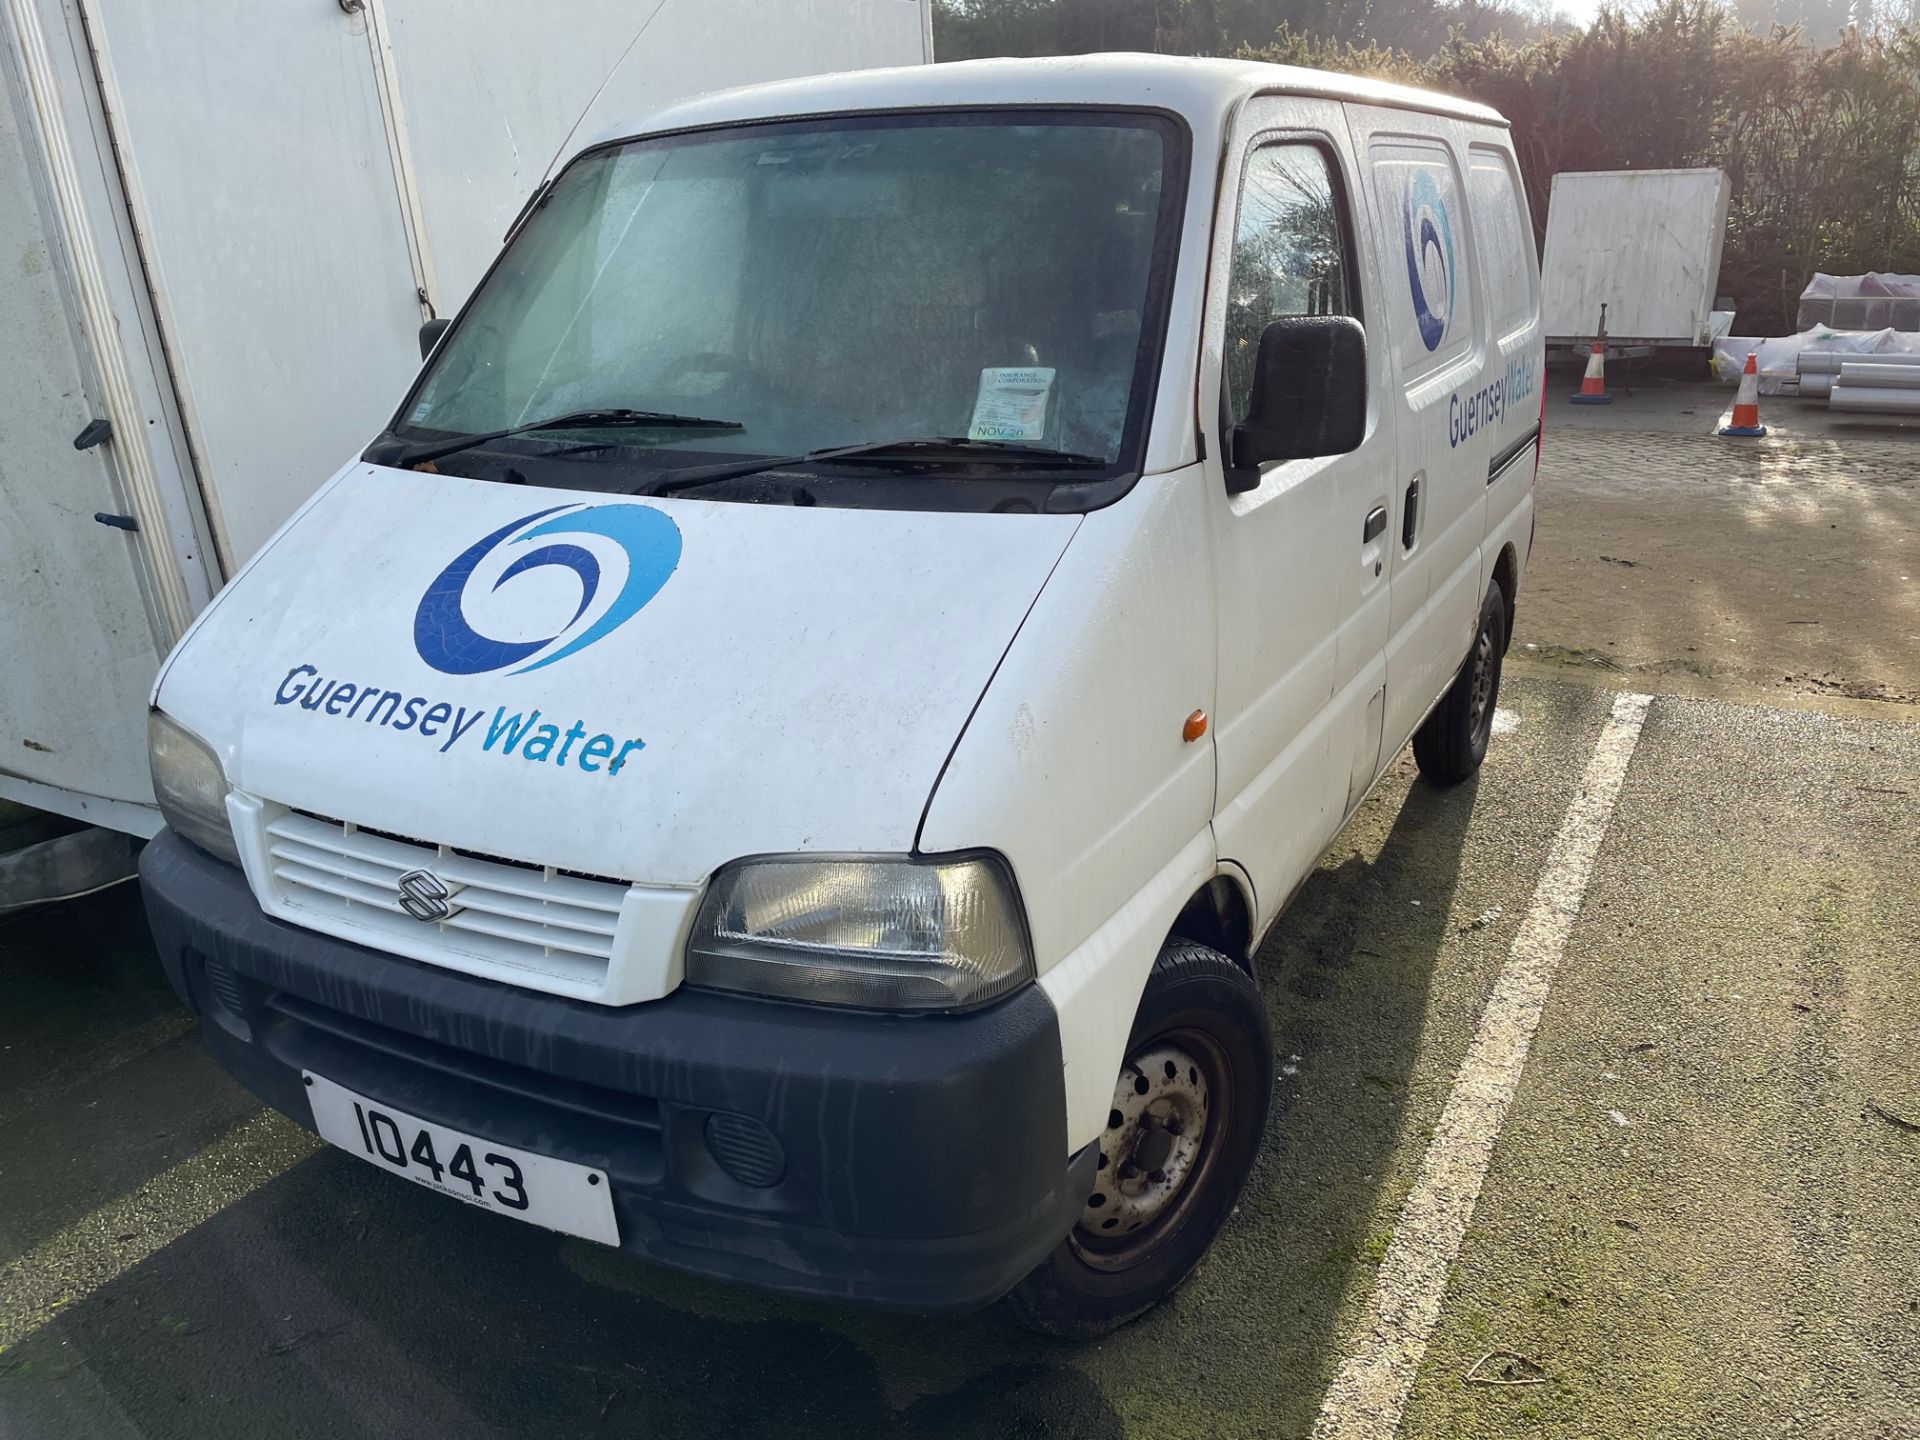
point(918, 1162)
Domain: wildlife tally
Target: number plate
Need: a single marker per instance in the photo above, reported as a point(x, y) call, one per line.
point(558, 1194)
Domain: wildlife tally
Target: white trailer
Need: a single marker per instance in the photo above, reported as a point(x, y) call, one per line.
point(1644, 243)
point(221, 228)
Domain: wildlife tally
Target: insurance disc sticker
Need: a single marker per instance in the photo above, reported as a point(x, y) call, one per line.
point(1012, 403)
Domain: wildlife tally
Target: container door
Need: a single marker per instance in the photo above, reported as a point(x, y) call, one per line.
point(77, 649)
point(259, 174)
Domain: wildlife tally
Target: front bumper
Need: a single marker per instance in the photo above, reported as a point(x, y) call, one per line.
point(919, 1162)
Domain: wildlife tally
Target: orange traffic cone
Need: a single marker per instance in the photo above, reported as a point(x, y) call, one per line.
point(1593, 385)
point(1745, 423)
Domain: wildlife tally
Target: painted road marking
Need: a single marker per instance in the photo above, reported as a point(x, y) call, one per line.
point(1370, 1391)
point(104, 1245)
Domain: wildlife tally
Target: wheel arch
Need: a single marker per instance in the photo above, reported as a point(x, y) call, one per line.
point(1220, 915)
point(1506, 574)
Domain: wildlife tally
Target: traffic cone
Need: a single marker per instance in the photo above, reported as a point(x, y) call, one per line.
point(1746, 405)
point(1593, 385)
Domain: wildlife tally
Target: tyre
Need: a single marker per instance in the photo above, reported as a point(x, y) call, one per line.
point(1452, 742)
point(1188, 1113)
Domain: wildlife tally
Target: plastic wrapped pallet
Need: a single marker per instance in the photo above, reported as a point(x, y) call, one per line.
point(1778, 356)
point(1874, 301)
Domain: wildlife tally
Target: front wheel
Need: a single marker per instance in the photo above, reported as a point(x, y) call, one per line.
point(1188, 1113)
point(1452, 742)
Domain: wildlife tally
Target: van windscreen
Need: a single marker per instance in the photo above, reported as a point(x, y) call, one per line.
point(994, 277)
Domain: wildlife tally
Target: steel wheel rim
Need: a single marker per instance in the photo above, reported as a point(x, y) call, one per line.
point(1127, 1215)
point(1480, 710)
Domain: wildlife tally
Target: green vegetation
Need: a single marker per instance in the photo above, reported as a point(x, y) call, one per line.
point(1821, 140)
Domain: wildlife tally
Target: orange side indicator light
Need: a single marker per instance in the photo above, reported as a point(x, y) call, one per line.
point(1195, 727)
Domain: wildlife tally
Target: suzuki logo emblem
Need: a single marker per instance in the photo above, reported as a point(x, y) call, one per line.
point(425, 896)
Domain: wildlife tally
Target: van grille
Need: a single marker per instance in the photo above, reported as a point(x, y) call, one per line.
point(503, 913)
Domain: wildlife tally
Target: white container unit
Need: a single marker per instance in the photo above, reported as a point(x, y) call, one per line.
point(221, 227)
point(1645, 243)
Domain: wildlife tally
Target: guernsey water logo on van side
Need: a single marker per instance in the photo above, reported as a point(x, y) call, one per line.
point(1429, 241)
point(641, 541)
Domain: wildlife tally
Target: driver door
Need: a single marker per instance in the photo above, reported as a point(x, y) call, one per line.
point(1302, 553)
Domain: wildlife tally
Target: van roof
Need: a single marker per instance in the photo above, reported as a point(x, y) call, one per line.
point(1205, 92)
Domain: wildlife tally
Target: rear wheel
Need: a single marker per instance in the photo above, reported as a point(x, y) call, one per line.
point(1188, 1112)
point(1451, 744)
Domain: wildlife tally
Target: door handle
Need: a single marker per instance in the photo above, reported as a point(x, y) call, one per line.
point(1376, 524)
point(1410, 515)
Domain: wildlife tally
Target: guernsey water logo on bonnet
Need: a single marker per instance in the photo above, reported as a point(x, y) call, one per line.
point(626, 552)
point(638, 540)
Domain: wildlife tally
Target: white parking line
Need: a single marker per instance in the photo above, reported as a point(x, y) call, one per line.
point(1371, 1389)
point(104, 1245)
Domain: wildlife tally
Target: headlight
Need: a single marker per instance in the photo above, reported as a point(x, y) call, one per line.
point(190, 786)
point(885, 934)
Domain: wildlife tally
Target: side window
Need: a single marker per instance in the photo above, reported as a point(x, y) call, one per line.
point(1506, 239)
point(1423, 236)
point(1292, 254)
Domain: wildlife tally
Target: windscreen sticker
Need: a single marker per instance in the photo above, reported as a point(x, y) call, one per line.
point(1012, 403)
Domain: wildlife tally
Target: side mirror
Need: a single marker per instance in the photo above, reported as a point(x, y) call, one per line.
point(1309, 395)
point(430, 334)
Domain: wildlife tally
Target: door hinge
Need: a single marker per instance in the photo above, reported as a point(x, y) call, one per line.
point(96, 432)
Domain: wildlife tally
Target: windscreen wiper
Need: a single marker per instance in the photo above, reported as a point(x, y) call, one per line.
point(938, 450)
point(575, 419)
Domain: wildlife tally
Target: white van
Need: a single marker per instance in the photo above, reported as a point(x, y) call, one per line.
point(779, 759)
